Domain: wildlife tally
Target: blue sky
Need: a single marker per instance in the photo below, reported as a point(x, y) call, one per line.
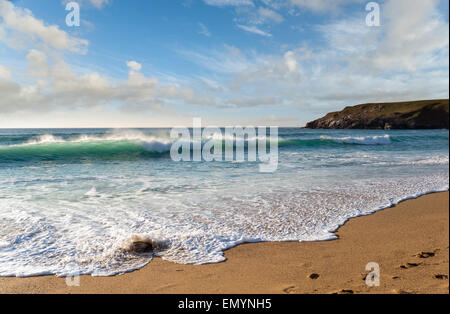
point(250, 62)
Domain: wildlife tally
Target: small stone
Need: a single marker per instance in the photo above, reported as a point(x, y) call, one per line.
point(142, 247)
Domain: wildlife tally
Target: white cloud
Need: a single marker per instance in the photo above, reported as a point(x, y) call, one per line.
point(57, 87)
point(267, 14)
point(25, 27)
point(276, 4)
point(413, 36)
point(254, 30)
point(250, 79)
point(134, 66)
point(291, 61)
point(275, 120)
point(5, 74)
point(322, 5)
point(405, 59)
point(223, 61)
point(204, 30)
point(38, 65)
point(222, 3)
point(99, 4)
point(249, 17)
point(251, 101)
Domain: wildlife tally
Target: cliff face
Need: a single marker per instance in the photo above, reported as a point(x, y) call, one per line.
point(426, 114)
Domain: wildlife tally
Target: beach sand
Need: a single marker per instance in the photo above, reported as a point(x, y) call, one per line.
point(410, 242)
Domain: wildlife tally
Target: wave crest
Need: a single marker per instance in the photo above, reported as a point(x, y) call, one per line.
point(49, 147)
point(362, 140)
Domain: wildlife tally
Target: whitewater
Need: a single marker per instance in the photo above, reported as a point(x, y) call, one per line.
point(72, 201)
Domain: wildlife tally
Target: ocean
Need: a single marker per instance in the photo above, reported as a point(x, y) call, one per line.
point(72, 201)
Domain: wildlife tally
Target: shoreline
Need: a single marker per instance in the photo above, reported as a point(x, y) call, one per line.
point(251, 268)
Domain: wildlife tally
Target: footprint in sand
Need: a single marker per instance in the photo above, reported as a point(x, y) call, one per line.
point(441, 277)
point(344, 291)
point(314, 276)
point(402, 292)
point(426, 254)
point(414, 264)
point(410, 265)
point(290, 290)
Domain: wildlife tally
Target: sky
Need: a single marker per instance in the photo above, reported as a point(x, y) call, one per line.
point(158, 63)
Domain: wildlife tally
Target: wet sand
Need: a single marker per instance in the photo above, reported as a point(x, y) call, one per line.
point(409, 242)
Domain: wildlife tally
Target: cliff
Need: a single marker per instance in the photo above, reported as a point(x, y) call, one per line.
point(425, 114)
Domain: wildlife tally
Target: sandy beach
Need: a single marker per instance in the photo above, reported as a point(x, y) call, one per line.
point(410, 242)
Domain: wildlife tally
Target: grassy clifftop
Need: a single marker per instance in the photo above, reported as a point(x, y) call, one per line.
point(424, 114)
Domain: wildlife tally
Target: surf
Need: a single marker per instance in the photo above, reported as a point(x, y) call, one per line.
point(94, 149)
point(105, 202)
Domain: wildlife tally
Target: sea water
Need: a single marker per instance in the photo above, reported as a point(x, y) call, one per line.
point(73, 200)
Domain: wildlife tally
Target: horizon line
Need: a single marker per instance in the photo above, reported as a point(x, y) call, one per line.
point(167, 127)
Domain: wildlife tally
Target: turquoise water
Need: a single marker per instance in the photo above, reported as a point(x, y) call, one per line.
point(72, 201)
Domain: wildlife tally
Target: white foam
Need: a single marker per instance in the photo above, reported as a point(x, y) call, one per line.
point(44, 139)
point(88, 235)
point(150, 143)
point(432, 160)
point(91, 192)
point(361, 140)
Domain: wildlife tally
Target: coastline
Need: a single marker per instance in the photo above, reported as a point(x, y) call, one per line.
point(400, 239)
